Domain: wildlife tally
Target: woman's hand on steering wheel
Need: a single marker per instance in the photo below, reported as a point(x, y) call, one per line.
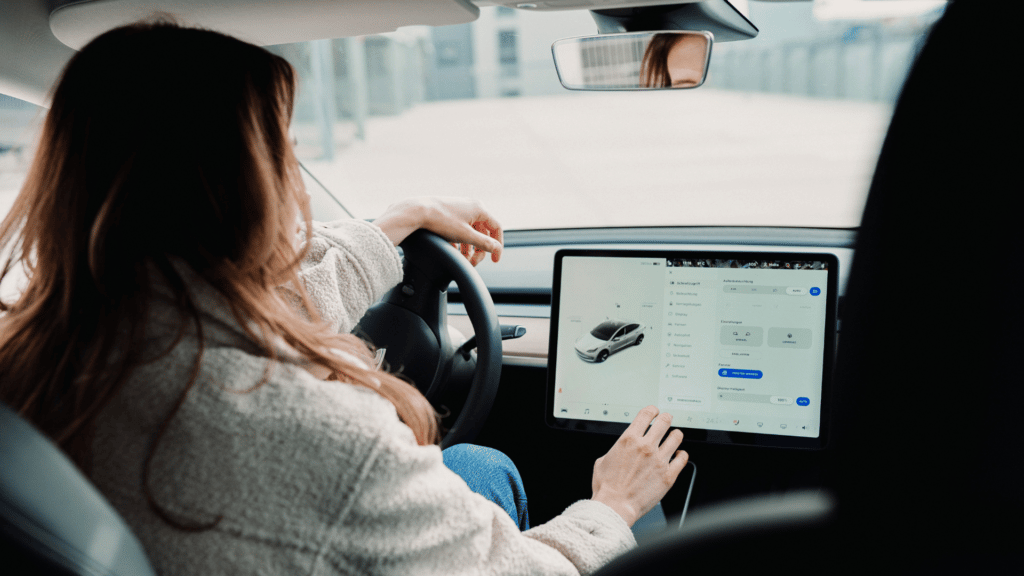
point(462, 221)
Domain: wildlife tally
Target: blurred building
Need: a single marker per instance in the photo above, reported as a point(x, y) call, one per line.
point(838, 51)
point(451, 63)
point(504, 53)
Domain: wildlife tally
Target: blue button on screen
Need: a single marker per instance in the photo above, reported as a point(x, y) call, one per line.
point(815, 291)
point(734, 373)
point(803, 401)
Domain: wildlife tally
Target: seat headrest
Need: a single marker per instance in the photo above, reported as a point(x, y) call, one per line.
point(926, 424)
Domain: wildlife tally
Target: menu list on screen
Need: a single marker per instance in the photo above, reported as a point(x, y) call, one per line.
point(721, 344)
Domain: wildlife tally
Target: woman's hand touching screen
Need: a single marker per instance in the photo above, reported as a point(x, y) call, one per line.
point(640, 468)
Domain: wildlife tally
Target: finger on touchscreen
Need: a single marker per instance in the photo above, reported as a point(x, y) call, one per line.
point(660, 425)
point(642, 421)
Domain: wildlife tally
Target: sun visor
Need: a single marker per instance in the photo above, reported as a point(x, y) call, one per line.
point(75, 22)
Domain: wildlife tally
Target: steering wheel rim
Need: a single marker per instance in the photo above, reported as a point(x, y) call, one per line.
point(411, 323)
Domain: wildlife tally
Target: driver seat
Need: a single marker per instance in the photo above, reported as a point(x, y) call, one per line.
point(52, 520)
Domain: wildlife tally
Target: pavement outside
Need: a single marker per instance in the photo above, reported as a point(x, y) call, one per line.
point(691, 157)
point(699, 157)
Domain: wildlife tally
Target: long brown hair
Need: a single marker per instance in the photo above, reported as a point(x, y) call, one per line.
point(654, 66)
point(163, 144)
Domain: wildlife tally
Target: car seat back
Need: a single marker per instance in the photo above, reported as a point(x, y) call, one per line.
point(741, 536)
point(925, 453)
point(52, 519)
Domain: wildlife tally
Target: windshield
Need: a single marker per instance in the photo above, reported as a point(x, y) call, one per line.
point(605, 330)
point(19, 123)
point(785, 132)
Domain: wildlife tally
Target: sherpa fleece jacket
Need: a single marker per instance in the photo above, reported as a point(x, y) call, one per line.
point(300, 476)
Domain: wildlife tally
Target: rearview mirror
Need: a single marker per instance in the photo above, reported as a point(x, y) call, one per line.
point(633, 60)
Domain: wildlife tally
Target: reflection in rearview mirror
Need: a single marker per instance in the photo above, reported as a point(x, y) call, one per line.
point(633, 60)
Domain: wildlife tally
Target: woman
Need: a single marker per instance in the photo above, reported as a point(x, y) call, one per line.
point(674, 60)
point(158, 341)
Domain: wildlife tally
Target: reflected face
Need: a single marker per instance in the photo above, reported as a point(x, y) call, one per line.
point(686, 61)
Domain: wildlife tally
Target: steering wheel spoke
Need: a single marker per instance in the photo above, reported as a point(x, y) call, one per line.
point(411, 323)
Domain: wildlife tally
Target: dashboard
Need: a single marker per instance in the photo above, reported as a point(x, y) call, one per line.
point(521, 287)
point(521, 283)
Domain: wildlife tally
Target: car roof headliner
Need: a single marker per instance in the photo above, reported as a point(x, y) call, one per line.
point(35, 35)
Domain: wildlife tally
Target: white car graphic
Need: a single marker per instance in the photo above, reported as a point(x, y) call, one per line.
point(608, 338)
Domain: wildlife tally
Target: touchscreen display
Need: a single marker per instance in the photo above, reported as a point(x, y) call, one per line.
point(724, 342)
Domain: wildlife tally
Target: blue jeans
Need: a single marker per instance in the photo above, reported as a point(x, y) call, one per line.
point(491, 474)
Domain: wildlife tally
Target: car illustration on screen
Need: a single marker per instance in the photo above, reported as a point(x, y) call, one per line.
point(607, 338)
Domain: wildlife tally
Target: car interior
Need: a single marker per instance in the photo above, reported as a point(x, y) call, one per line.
point(912, 462)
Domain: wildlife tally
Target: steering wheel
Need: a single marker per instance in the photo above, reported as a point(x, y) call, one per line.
point(411, 324)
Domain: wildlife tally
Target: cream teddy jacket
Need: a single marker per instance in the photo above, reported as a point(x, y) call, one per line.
point(309, 477)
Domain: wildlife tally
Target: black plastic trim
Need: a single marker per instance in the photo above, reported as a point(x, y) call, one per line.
point(755, 236)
